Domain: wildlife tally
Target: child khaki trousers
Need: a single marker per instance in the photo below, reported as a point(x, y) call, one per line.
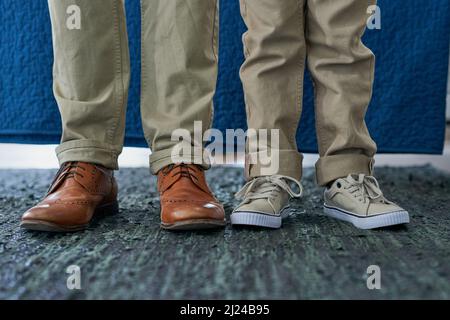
point(282, 35)
point(92, 74)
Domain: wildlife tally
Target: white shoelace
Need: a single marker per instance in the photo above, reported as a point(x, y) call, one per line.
point(268, 187)
point(365, 187)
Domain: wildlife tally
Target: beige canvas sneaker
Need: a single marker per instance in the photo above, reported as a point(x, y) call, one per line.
point(265, 201)
point(359, 200)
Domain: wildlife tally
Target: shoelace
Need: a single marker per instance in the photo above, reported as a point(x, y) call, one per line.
point(67, 170)
point(365, 187)
point(185, 171)
point(268, 187)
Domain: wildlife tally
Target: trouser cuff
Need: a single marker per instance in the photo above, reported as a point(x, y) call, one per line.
point(287, 163)
point(190, 155)
point(88, 151)
point(330, 168)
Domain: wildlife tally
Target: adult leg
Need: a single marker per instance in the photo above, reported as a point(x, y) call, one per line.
point(179, 74)
point(91, 76)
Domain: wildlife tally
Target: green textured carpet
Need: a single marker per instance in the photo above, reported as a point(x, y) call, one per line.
point(128, 256)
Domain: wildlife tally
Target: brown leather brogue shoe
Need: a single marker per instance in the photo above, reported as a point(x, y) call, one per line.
point(186, 201)
point(79, 191)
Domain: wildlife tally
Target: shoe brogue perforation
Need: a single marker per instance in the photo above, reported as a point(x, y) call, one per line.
point(78, 191)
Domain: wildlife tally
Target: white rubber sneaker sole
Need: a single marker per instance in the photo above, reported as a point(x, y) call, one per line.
point(255, 219)
point(372, 222)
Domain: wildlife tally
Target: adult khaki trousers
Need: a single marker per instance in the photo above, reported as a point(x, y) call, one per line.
point(92, 74)
point(281, 37)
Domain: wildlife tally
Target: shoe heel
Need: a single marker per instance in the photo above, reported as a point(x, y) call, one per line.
point(108, 209)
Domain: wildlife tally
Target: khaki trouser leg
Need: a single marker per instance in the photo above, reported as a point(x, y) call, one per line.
point(343, 70)
point(272, 76)
point(91, 78)
point(179, 73)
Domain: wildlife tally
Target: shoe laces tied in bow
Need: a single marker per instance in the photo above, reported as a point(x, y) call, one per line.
point(268, 187)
